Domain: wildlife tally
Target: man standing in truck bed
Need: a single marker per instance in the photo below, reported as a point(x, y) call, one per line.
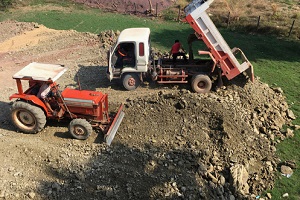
point(175, 51)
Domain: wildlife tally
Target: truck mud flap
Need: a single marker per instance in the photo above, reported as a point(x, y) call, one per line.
point(250, 73)
point(114, 126)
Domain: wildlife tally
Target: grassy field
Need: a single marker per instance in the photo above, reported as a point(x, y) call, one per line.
point(276, 61)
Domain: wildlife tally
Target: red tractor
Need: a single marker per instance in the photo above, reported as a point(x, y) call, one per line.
point(86, 109)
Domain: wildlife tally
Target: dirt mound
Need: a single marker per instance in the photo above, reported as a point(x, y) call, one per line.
point(172, 144)
point(205, 139)
point(12, 28)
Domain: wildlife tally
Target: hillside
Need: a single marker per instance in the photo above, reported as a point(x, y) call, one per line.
point(274, 16)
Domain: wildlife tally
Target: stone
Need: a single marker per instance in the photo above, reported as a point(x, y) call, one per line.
point(231, 197)
point(222, 180)
point(286, 170)
point(212, 177)
point(289, 133)
point(278, 90)
point(31, 195)
point(239, 178)
point(273, 148)
point(36, 25)
point(2, 194)
point(285, 195)
point(290, 114)
point(56, 186)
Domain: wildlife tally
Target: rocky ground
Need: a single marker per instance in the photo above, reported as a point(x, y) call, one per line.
point(172, 143)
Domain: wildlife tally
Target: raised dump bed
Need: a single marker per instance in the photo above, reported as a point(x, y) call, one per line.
point(205, 30)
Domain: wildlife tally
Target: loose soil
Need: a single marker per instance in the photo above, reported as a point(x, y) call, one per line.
point(172, 143)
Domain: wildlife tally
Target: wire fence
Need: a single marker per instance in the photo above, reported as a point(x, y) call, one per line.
point(289, 28)
point(285, 28)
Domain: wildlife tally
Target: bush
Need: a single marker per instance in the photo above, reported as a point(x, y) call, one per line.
point(170, 14)
point(5, 3)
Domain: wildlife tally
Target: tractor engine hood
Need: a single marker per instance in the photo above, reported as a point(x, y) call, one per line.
point(83, 98)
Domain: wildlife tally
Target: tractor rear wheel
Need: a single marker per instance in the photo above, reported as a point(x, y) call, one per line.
point(201, 83)
point(80, 129)
point(131, 81)
point(28, 118)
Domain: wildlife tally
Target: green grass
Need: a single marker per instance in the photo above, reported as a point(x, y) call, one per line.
point(95, 21)
point(276, 61)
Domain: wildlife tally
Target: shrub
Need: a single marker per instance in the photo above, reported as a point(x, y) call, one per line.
point(5, 3)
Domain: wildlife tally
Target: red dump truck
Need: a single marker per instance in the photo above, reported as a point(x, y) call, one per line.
point(139, 62)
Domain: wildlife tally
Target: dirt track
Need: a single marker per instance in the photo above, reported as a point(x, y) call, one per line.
point(172, 144)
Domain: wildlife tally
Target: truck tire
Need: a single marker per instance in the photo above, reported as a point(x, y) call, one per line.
point(131, 81)
point(201, 83)
point(80, 129)
point(28, 118)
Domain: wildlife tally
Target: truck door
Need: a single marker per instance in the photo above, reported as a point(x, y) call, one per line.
point(121, 59)
point(142, 57)
point(109, 72)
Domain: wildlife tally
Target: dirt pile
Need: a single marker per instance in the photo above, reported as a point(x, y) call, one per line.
point(172, 144)
point(224, 142)
point(12, 28)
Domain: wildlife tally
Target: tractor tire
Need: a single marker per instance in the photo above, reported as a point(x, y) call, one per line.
point(80, 129)
point(131, 81)
point(28, 118)
point(201, 83)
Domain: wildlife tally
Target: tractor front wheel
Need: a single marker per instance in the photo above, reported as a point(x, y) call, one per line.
point(131, 81)
point(201, 83)
point(27, 118)
point(80, 129)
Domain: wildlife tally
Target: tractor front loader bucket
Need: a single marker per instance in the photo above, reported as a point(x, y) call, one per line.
point(109, 136)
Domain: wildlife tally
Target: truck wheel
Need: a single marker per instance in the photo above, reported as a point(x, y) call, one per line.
point(27, 118)
point(131, 81)
point(201, 83)
point(80, 129)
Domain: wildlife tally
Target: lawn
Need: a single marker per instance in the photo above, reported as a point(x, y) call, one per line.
point(276, 61)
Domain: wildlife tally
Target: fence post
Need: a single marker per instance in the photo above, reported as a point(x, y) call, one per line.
point(178, 18)
point(258, 21)
point(292, 27)
point(228, 19)
point(134, 8)
point(156, 8)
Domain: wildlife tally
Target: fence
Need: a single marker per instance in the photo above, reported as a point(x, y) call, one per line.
point(286, 28)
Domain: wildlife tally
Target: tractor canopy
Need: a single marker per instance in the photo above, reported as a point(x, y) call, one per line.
point(41, 72)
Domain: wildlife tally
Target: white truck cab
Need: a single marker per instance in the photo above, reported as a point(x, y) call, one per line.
point(129, 57)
